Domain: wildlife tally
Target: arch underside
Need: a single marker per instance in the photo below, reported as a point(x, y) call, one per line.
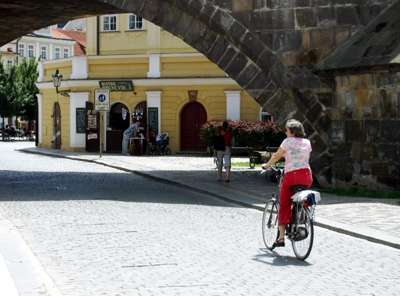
point(211, 30)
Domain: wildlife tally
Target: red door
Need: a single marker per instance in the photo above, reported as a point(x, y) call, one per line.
point(193, 116)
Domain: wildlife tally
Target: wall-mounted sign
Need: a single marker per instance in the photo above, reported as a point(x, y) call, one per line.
point(91, 120)
point(102, 99)
point(117, 85)
point(80, 120)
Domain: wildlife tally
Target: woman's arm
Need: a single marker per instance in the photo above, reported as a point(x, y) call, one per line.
point(274, 158)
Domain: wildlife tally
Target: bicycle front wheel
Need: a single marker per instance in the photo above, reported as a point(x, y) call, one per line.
point(302, 246)
point(270, 230)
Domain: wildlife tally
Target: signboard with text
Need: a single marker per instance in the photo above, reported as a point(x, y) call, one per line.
point(102, 99)
point(117, 85)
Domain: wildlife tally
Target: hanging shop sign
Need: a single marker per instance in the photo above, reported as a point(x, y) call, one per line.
point(102, 99)
point(117, 85)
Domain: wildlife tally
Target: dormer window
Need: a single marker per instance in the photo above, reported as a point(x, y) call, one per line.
point(109, 23)
point(135, 22)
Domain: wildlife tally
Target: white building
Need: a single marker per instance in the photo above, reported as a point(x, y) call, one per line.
point(41, 47)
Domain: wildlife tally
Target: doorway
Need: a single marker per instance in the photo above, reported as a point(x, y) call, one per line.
point(56, 141)
point(119, 122)
point(193, 116)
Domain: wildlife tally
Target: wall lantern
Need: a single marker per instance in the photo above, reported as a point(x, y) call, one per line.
point(57, 79)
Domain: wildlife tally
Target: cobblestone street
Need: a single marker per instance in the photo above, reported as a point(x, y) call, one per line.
point(100, 231)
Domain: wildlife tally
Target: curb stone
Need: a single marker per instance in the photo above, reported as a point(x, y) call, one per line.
point(357, 232)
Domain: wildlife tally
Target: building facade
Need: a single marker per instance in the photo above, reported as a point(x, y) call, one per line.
point(154, 77)
point(40, 45)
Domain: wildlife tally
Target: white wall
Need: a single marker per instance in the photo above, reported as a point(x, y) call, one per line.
point(40, 118)
point(232, 105)
point(77, 100)
point(154, 101)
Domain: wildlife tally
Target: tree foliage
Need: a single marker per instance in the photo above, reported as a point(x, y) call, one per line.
point(18, 89)
point(8, 91)
point(26, 77)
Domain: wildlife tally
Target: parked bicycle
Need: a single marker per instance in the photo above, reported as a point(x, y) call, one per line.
point(161, 145)
point(301, 231)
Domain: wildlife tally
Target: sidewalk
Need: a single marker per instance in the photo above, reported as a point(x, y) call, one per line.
point(365, 218)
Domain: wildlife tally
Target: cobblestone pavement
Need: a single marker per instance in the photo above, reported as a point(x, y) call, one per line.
point(248, 185)
point(98, 231)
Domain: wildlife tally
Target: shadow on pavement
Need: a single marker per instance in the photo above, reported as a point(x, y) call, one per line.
point(273, 258)
point(126, 187)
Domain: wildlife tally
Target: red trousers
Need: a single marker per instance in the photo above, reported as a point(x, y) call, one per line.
point(290, 179)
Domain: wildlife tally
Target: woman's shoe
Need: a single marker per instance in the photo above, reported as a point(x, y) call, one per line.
point(278, 243)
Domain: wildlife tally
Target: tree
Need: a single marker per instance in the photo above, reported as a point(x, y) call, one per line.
point(26, 77)
point(8, 91)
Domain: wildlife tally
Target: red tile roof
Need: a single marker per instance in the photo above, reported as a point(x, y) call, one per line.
point(79, 37)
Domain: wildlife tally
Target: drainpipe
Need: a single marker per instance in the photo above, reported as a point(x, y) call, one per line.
point(98, 36)
point(17, 51)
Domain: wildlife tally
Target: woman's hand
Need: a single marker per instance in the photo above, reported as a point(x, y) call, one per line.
point(265, 166)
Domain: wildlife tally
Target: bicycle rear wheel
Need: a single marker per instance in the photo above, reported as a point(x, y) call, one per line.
point(270, 230)
point(302, 247)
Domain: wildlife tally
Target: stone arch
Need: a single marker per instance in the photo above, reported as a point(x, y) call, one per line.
point(220, 36)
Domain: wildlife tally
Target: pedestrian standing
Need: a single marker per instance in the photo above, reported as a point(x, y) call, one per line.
point(227, 134)
point(128, 133)
point(219, 150)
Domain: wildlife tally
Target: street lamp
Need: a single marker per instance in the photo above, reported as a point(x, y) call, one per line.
point(57, 78)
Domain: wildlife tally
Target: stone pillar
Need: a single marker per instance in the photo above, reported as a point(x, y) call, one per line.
point(154, 66)
point(77, 100)
point(79, 67)
point(154, 101)
point(232, 105)
point(40, 118)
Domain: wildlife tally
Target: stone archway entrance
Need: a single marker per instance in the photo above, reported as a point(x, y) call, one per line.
point(56, 140)
point(193, 116)
point(257, 43)
point(119, 122)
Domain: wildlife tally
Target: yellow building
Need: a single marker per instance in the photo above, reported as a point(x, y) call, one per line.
point(152, 76)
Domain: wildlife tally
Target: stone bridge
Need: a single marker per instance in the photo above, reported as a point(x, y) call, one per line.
point(268, 46)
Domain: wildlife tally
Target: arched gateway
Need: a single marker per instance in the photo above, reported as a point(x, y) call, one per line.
point(241, 37)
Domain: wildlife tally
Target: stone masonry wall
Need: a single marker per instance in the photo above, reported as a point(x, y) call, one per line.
point(304, 31)
point(262, 44)
point(366, 130)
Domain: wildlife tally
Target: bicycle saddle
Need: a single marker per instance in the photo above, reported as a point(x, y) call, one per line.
point(298, 188)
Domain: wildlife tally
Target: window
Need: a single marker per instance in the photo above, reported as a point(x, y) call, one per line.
point(9, 63)
point(109, 23)
point(57, 53)
point(66, 53)
point(31, 51)
point(43, 53)
point(135, 22)
point(21, 49)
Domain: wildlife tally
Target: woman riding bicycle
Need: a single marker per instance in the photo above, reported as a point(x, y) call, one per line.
point(296, 151)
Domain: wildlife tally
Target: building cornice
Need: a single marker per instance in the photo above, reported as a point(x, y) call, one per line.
point(143, 82)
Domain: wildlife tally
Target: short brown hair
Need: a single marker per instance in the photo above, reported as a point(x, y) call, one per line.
point(296, 128)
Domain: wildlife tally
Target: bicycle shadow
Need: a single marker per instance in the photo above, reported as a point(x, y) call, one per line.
point(275, 259)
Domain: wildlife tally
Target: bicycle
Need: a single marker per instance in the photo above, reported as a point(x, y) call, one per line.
point(301, 231)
